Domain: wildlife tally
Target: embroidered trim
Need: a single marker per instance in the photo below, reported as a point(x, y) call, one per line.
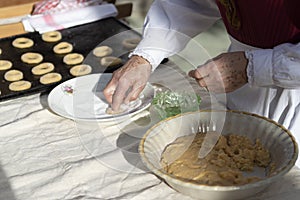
point(231, 13)
point(250, 71)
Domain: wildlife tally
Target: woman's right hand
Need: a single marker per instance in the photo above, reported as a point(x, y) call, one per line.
point(127, 82)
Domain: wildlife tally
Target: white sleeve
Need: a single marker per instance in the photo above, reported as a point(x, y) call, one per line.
point(170, 24)
point(279, 66)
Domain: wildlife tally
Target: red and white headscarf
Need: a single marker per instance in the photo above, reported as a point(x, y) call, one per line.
point(53, 6)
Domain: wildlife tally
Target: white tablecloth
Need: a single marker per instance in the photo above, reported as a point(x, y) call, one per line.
point(45, 156)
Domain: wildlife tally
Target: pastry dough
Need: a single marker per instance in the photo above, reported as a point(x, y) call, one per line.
point(62, 48)
point(19, 85)
point(131, 43)
point(5, 64)
point(80, 70)
point(22, 42)
point(42, 68)
point(52, 36)
point(13, 75)
point(49, 78)
point(102, 51)
point(73, 59)
point(110, 61)
point(224, 165)
point(32, 58)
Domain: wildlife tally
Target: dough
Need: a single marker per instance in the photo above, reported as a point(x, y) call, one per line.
point(131, 43)
point(19, 85)
point(52, 36)
point(224, 165)
point(32, 58)
point(110, 61)
point(62, 48)
point(50, 78)
point(22, 42)
point(102, 51)
point(42, 68)
point(13, 75)
point(73, 58)
point(5, 64)
point(80, 70)
point(123, 108)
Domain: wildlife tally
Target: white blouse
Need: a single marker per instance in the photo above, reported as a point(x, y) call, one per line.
point(273, 88)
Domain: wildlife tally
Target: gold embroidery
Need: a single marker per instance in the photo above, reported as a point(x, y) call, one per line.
point(231, 13)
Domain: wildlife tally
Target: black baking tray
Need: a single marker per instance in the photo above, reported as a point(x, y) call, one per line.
point(84, 39)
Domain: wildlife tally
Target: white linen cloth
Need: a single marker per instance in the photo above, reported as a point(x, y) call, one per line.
point(61, 20)
point(274, 74)
point(47, 157)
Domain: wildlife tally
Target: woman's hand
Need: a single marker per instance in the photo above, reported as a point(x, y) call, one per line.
point(127, 82)
point(224, 73)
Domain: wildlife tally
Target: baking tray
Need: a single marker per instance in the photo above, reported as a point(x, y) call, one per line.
point(84, 39)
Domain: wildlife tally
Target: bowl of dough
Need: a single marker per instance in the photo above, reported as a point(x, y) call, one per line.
point(219, 155)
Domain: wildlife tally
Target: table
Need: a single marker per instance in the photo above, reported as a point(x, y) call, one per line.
point(45, 156)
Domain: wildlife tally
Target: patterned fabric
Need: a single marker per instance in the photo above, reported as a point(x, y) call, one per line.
point(53, 6)
point(260, 23)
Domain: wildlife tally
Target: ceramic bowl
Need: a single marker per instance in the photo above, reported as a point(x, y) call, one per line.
point(277, 139)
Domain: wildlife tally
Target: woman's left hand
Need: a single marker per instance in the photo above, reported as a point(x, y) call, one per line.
point(224, 73)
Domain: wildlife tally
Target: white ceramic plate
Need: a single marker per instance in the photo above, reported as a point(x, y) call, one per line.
point(81, 98)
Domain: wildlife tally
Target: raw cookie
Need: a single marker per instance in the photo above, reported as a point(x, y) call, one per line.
point(19, 85)
point(73, 58)
point(80, 70)
point(32, 58)
point(42, 68)
point(13, 75)
point(22, 42)
point(5, 64)
point(110, 61)
point(52, 36)
point(62, 48)
point(102, 51)
point(50, 78)
point(131, 43)
point(123, 108)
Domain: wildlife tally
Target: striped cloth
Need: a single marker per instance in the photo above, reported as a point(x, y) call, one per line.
point(54, 6)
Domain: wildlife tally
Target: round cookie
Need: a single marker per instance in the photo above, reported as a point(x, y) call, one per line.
point(5, 64)
point(0, 51)
point(80, 70)
point(13, 75)
point(51, 36)
point(73, 59)
point(19, 85)
point(62, 48)
point(50, 78)
point(42, 68)
point(131, 43)
point(110, 61)
point(32, 58)
point(22, 42)
point(102, 51)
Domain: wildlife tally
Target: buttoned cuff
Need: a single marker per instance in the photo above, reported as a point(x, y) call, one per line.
point(260, 69)
point(154, 57)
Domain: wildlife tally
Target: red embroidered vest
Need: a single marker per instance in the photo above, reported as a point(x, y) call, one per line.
point(262, 23)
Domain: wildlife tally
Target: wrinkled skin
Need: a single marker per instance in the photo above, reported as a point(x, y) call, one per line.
point(127, 82)
point(224, 73)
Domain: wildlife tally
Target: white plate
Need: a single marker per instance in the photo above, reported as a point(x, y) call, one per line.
point(81, 98)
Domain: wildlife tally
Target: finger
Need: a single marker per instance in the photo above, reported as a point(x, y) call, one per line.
point(194, 74)
point(198, 73)
point(109, 91)
point(133, 94)
point(119, 95)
